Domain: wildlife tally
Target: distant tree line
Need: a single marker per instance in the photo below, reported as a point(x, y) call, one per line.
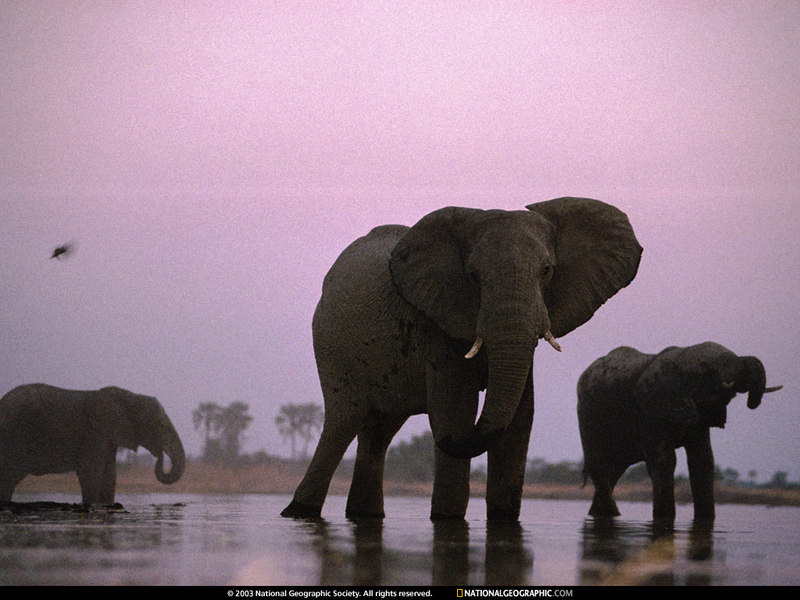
point(223, 430)
point(413, 460)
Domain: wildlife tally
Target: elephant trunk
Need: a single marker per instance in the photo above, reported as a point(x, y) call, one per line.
point(752, 379)
point(173, 448)
point(509, 365)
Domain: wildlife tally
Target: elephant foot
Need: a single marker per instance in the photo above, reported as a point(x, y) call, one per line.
point(502, 515)
point(446, 517)
point(298, 510)
point(355, 515)
point(603, 508)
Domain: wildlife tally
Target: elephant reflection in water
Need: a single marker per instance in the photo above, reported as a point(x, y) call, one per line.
point(618, 554)
point(506, 562)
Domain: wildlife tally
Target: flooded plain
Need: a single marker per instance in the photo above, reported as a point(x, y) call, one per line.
point(232, 540)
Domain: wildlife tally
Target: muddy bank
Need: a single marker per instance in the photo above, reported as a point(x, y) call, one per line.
point(282, 479)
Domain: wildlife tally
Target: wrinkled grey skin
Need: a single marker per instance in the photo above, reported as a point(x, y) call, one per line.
point(401, 307)
point(635, 407)
point(45, 429)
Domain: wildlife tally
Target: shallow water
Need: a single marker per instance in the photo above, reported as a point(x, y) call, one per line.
point(185, 539)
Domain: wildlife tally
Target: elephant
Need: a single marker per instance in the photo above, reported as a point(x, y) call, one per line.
point(635, 407)
point(46, 429)
point(420, 319)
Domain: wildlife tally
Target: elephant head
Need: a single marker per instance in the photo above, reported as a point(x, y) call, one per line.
point(710, 375)
point(751, 378)
point(135, 420)
point(506, 279)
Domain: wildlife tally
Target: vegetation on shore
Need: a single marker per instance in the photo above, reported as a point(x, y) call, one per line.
point(279, 476)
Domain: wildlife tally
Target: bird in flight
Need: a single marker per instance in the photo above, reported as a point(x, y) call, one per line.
point(61, 251)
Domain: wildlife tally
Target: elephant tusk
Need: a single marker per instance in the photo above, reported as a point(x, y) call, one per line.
point(773, 389)
point(475, 347)
point(551, 340)
point(728, 385)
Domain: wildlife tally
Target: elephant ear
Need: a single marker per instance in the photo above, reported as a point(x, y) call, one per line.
point(597, 254)
point(428, 270)
point(113, 417)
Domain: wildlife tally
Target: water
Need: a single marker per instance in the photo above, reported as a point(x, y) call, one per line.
point(185, 539)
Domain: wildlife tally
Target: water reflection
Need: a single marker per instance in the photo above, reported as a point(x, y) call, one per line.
point(224, 540)
point(620, 553)
point(449, 560)
point(507, 560)
point(450, 553)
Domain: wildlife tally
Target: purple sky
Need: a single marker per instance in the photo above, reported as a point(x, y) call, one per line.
point(211, 159)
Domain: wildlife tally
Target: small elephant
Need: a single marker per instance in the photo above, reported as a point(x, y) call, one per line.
point(421, 319)
point(635, 407)
point(46, 429)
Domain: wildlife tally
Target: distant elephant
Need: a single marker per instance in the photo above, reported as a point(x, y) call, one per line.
point(45, 429)
point(394, 330)
point(635, 407)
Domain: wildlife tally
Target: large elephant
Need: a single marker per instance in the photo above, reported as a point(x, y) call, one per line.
point(635, 407)
point(394, 331)
point(46, 429)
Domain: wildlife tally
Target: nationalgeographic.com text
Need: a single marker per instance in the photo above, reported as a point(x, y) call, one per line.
point(514, 593)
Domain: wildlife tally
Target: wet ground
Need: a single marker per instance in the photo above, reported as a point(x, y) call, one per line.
point(185, 539)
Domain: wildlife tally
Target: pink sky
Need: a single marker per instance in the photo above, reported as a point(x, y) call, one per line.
point(211, 160)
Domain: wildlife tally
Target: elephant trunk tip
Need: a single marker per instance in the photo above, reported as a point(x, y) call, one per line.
point(178, 464)
point(469, 446)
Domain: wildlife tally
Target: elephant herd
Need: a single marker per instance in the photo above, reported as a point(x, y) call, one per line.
point(422, 319)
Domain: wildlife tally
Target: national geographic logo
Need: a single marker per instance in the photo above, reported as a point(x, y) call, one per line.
point(514, 593)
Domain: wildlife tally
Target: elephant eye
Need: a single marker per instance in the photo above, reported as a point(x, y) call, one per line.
point(547, 273)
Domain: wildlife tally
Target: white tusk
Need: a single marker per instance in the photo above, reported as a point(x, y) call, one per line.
point(728, 385)
point(551, 340)
point(475, 347)
point(773, 389)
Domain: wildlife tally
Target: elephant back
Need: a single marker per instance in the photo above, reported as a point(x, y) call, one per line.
point(361, 316)
point(607, 412)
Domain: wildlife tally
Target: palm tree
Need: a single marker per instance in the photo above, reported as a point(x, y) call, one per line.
point(233, 421)
point(207, 416)
point(300, 421)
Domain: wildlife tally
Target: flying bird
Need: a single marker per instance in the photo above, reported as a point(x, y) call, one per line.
point(61, 250)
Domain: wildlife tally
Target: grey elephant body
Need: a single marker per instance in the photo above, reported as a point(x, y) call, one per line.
point(46, 429)
point(635, 407)
point(399, 311)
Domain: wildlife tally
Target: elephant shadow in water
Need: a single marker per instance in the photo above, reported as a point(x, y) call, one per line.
point(618, 553)
point(506, 560)
point(47, 507)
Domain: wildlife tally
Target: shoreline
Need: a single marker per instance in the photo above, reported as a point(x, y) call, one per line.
point(282, 478)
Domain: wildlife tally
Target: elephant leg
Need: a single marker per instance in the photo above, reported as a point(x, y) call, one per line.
point(507, 460)
point(366, 490)
point(97, 475)
point(700, 460)
point(604, 480)
point(661, 468)
point(450, 486)
point(338, 431)
point(452, 407)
